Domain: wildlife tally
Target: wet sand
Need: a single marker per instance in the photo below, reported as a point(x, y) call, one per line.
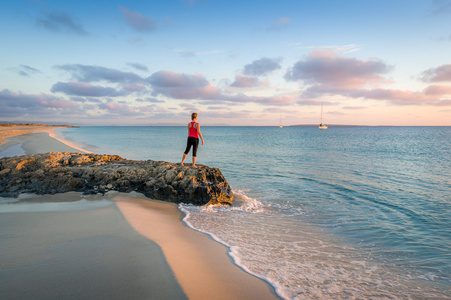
point(84, 251)
point(125, 246)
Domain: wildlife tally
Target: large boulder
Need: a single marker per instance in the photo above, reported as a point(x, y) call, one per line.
point(60, 172)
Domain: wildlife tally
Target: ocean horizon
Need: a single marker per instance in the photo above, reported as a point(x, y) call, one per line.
point(348, 212)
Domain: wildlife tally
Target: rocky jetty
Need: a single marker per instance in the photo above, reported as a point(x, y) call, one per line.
point(60, 172)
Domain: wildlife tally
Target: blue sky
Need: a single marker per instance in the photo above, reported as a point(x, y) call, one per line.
point(234, 62)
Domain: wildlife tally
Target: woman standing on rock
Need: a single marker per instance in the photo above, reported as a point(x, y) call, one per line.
point(193, 138)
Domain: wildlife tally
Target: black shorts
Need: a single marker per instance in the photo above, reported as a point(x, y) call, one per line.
point(192, 141)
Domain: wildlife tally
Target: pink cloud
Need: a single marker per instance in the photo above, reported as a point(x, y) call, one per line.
point(438, 90)
point(119, 109)
point(182, 86)
point(186, 86)
point(280, 99)
point(115, 106)
point(248, 81)
point(327, 68)
point(272, 100)
point(85, 90)
point(439, 74)
point(330, 74)
point(399, 97)
point(35, 106)
point(394, 96)
point(60, 103)
point(133, 87)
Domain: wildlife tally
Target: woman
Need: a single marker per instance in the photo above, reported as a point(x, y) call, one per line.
point(193, 138)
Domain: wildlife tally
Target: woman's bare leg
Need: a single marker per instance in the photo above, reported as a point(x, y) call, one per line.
point(183, 158)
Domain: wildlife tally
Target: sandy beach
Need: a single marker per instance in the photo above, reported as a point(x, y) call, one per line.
point(20, 140)
point(117, 246)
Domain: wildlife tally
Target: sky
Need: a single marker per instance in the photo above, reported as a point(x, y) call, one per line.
point(246, 63)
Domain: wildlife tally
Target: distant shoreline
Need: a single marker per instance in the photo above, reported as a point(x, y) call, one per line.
point(334, 125)
point(33, 125)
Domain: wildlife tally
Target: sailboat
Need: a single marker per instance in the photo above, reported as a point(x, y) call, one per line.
point(322, 126)
point(280, 122)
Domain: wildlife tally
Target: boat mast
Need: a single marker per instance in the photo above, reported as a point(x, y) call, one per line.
point(321, 114)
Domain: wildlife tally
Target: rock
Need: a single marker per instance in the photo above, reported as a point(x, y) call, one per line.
point(60, 172)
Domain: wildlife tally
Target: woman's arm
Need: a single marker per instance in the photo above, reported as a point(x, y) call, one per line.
point(200, 133)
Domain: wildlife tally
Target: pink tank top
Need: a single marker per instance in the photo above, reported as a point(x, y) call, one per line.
point(193, 131)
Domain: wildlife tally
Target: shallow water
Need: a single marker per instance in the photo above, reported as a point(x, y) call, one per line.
point(348, 212)
point(13, 151)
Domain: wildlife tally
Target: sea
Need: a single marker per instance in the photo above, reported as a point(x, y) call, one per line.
point(342, 213)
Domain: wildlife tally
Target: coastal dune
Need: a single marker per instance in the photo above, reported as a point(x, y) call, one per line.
point(111, 245)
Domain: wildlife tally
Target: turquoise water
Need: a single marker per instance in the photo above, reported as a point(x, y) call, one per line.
point(348, 212)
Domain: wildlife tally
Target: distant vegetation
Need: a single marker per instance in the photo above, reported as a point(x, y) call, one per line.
point(32, 124)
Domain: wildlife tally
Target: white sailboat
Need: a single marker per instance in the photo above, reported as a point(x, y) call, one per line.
point(322, 126)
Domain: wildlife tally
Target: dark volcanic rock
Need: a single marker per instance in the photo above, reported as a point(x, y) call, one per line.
point(60, 172)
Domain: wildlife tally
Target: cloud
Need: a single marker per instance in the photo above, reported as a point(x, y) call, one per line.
point(182, 86)
point(138, 21)
point(334, 48)
point(113, 106)
point(27, 71)
point(32, 105)
point(327, 68)
point(400, 97)
point(85, 90)
point(119, 109)
point(431, 96)
point(88, 73)
point(84, 99)
point(354, 107)
point(58, 21)
point(228, 115)
point(439, 74)
point(438, 90)
point(138, 66)
point(262, 67)
point(8, 98)
point(149, 99)
point(186, 86)
point(247, 81)
point(134, 87)
point(280, 24)
point(442, 7)
point(329, 74)
point(40, 107)
point(272, 100)
point(191, 53)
